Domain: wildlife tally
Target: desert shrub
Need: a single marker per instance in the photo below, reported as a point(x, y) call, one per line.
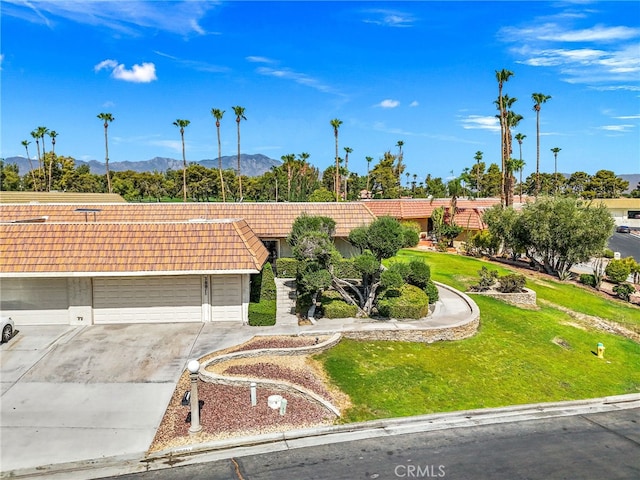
point(617, 271)
point(333, 306)
point(406, 302)
point(346, 268)
point(286, 267)
point(263, 313)
point(588, 279)
point(432, 292)
point(442, 245)
point(624, 291)
point(607, 253)
point(487, 280)
point(411, 225)
point(483, 243)
point(513, 283)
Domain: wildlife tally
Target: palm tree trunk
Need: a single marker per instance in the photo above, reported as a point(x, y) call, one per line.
point(184, 169)
point(106, 158)
point(537, 153)
point(239, 171)
point(224, 199)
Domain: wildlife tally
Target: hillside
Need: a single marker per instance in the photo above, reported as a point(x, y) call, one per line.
point(252, 165)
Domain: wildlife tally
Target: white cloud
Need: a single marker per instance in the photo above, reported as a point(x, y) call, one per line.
point(616, 128)
point(144, 73)
point(297, 77)
point(388, 103)
point(480, 122)
point(389, 18)
point(414, 103)
point(258, 59)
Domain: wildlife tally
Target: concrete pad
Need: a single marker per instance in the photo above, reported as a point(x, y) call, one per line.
point(80, 421)
point(220, 335)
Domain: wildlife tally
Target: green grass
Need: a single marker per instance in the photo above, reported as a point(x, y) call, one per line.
point(518, 356)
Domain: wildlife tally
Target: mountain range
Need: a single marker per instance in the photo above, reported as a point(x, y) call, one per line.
point(251, 165)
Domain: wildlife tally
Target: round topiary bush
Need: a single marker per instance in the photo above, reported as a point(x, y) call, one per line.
point(432, 292)
point(407, 301)
point(333, 306)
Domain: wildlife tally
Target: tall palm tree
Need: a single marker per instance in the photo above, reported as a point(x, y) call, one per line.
point(106, 118)
point(538, 100)
point(42, 131)
point(36, 136)
point(369, 160)
point(288, 162)
point(478, 159)
point(399, 144)
point(239, 111)
point(25, 144)
point(335, 123)
point(555, 151)
point(512, 121)
point(52, 134)
point(217, 113)
point(502, 76)
point(182, 124)
point(347, 150)
point(520, 137)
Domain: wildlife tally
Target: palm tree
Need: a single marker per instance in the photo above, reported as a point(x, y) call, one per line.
point(52, 134)
point(25, 144)
point(478, 159)
point(399, 144)
point(217, 113)
point(106, 118)
point(538, 100)
point(335, 123)
point(36, 137)
point(520, 137)
point(512, 121)
point(239, 111)
point(555, 151)
point(347, 150)
point(502, 76)
point(288, 161)
point(182, 124)
point(42, 131)
point(369, 160)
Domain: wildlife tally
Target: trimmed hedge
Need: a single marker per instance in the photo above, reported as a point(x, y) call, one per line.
point(588, 279)
point(346, 268)
point(406, 302)
point(333, 306)
point(287, 267)
point(262, 314)
point(432, 292)
point(268, 289)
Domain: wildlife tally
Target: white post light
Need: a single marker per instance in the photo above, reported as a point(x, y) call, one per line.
point(254, 400)
point(194, 366)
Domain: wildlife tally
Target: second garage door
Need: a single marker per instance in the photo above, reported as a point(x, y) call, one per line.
point(147, 299)
point(226, 298)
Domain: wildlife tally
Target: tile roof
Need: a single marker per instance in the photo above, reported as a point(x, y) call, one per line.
point(468, 215)
point(129, 248)
point(267, 220)
point(59, 197)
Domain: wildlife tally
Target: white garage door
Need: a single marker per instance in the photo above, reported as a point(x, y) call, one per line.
point(35, 301)
point(147, 299)
point(226, 298)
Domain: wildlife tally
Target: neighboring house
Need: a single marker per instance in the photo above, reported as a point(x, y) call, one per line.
point(59, 197)
point(625, 211)
point(164, 262)
point(468, 213)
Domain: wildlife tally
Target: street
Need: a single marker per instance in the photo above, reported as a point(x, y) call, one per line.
point(587, 446)
point(628, 245)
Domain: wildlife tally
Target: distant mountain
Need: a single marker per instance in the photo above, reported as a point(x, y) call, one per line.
point(633, 179)
point(251, 165)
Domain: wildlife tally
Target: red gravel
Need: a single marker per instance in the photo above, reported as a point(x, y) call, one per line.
point(260, 343)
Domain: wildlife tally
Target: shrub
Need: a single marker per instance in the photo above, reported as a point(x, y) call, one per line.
point(432, 292)
point(419, 273)
point(442, 245)
point(617, 271)
point(346, 268)
point(333, 306)
point(268, 285)
point(624, 291)
point(410, 237)
point(411, 302)
point(588, 279)
point(391, 278)
point(287, 267)
point(607, 253)
point(513, 283)
point(487, 279)
point(262, 314)
point(255, 285)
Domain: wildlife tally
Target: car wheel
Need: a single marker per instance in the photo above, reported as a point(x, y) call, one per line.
point(7, 333)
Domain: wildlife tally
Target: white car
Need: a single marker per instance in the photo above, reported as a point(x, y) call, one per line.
point(7, 329)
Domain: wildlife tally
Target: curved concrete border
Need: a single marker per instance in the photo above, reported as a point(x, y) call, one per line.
point(211, 377)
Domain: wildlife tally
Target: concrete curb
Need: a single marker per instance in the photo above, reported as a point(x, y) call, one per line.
point(243, 446)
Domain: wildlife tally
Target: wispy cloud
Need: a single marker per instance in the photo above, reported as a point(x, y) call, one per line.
point(382, 127)
point(480, 122)
point(617, 128)
point(297, 77)
point(414, 103)
point(596, 55)
point(388, 103)
point(129, 17)
point(144, 73)
point(389, 18)
point(259, 59)
point(194, 64)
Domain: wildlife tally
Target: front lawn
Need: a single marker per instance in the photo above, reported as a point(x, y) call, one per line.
point(518, 356)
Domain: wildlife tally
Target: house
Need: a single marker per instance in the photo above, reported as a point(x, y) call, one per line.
point(59, 197)
point(625, 211)
point(82, 264)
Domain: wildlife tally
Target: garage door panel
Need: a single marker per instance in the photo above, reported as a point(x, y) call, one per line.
point(147, 299)
point(35, 301)
point(226, 298)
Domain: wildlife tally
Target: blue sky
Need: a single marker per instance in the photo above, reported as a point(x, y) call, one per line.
point(419, 72)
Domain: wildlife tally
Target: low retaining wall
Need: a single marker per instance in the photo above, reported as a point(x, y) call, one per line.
point(528, 297)
point(429, 335)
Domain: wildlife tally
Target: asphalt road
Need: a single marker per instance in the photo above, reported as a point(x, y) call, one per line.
point(628, 245)
point(587, 446)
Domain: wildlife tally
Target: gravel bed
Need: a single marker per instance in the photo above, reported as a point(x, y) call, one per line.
point(259, 343)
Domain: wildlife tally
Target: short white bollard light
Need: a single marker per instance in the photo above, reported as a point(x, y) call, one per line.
point(194, 366)
point(254, 399)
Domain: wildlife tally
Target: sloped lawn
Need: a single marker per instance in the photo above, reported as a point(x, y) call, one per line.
point(518, 356)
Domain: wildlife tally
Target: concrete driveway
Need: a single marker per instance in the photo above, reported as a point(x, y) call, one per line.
point(77, 393)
